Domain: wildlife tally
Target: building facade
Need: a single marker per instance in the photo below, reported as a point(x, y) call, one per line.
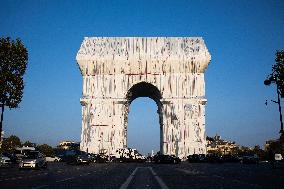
point(67, 145)
point(217, 145)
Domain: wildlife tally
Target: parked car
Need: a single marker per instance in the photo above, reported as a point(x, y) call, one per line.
point(92, 157)
point(166, 159)
point(230, 158)
point(12, 156)
point(196, 158)
point(52, 159)
point(77, 157)
point(101, 158)
point(214, 158)
point(4, 160)
point(34, 160)
point(250, 159)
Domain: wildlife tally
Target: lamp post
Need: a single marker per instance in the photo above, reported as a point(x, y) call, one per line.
point(268, 82)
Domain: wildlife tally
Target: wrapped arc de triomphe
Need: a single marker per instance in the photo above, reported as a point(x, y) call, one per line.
point(169, 70)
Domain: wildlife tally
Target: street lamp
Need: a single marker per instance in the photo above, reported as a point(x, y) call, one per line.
point(268, 82)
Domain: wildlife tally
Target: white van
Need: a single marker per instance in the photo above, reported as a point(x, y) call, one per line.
point(21, 151)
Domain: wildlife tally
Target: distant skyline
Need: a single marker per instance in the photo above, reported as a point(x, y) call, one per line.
point(241, 36)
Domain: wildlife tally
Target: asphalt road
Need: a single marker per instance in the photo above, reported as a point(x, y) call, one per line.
point(146, 175)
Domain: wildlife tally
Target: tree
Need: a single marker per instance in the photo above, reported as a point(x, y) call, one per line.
point(277, 75)
point(13, 64)
point(235, 150)
point(244, 150)
point(258, 151)
point(46, 149)
point(9, 144)
point(28, 143)
point(277, 146)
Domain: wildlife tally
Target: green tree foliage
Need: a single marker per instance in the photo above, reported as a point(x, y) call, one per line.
point(9, 144)
point(13, 64)
point(277, 75)
point(28, 143)
point(281, 138)
point(46, 149)
point(235, 150)
point(277, 146)
point(258, 151)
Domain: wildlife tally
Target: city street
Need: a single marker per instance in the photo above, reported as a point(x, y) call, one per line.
point(145, 175)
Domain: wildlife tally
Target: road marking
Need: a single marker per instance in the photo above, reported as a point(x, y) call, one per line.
point(38, 187)
point(236, 180)
point(218, 176)
point(245, 183)
point(193, 172)
point(159, 180)
point(82, 175)
point(63, 180)
point(128, 180)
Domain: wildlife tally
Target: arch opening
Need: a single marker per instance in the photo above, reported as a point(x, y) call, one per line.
point(144, 89)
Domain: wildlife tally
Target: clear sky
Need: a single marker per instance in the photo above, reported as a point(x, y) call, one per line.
point(242, 37)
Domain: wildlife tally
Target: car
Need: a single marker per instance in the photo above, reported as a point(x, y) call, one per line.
point(4, 160)
point(166, 159)
point(20, 152)
point(52, 159)
point(250, 159)
point(214, 158)
point(33, 160)
point(12, 156)
point(92, 157)
point(100, 158)
point(77, 157)
point(228, 158)
point(196, 158)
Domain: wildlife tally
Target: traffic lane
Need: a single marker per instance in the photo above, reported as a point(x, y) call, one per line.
point(28, 178)
point(64, 174)
point(203, 175)
point(112, 176)
point(14, 171)
point(141, 177)
point(254, 175)
point(70, 176)
point(183, 177)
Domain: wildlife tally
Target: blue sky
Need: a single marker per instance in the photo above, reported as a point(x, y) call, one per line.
point(242, 37)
